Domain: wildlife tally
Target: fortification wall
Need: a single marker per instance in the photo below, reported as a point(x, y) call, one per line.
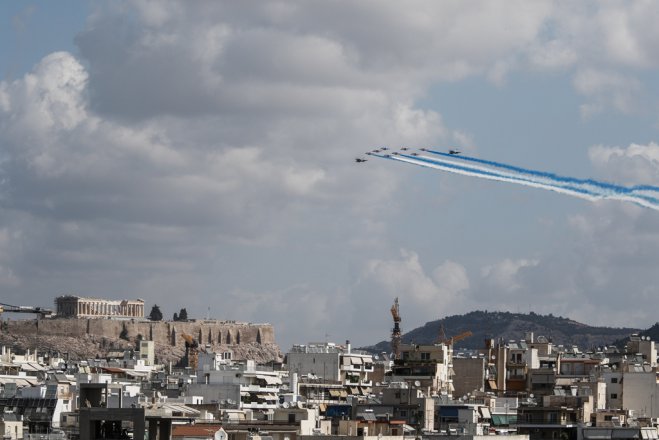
point(211, 332)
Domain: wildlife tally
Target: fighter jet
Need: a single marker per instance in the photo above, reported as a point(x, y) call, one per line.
point(360, 160)
point(454, 152)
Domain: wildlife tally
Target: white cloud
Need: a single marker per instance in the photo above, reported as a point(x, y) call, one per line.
point(633, 165)
point(606, 89)
point(407, 278)
point(553, 54)
point(504, 275)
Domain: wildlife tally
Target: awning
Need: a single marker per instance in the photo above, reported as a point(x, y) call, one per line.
point(272, 380)
point(408, 428)
point(649, 433)
point(335, 393)
point(344, 393)
point(22, 381)
point(29, 366)
point(354, 390)
point(356, 361)
point(485, 412)
point(492, 384)
point(368, 416)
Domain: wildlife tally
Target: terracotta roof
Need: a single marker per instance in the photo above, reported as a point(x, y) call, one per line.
point(202, 430)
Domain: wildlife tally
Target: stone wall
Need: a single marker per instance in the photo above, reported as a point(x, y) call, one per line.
point(162, 332)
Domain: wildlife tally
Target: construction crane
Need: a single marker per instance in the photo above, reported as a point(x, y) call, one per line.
point(8, 308)
point(456, 338)
point(396, 333)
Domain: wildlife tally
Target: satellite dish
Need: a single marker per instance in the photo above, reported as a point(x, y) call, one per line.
point(230, 402)
point(286, 405)
point(417, 383)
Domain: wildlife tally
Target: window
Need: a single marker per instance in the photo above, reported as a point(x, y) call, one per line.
point(614, 395)
point(425, 356)
point(614, 380)
point(403, 413)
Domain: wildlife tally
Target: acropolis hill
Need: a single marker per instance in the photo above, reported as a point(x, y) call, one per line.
point(88, 337)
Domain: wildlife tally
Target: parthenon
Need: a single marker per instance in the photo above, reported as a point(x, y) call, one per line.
point(71, 306)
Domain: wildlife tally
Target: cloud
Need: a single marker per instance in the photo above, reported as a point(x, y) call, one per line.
point(503, 275)
point(634, 165)
point(606, 90)
point(406, 276)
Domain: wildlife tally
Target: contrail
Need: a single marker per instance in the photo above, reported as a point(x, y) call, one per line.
point(643, 195)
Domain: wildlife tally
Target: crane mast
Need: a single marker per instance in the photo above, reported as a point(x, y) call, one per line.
point(396, 333)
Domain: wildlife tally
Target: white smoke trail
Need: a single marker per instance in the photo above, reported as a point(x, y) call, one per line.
point(592, 190)
point(489, 175)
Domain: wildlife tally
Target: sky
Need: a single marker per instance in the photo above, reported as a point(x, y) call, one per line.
point(201, 156)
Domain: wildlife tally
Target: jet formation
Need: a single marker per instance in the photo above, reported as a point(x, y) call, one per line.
point(385, 152)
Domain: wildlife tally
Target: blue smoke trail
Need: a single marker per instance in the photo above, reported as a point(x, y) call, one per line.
point(494, 175)
point(551, 176)
point(583, 188)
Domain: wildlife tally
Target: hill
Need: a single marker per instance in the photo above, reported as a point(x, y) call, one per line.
point(512, 326)
point(88, 338)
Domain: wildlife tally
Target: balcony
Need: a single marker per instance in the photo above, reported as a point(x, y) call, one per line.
point(351, 368)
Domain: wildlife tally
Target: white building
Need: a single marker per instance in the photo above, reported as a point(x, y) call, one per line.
point(243, 386)
point(331, 363)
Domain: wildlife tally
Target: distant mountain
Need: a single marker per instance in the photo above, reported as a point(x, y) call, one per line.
point(513, 326)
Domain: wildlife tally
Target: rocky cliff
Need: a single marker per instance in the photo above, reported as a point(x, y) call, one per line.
point(89, 338)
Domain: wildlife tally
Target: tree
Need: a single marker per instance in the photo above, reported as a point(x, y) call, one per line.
point(175, 318)
point(156, 314)
point(124, 332)
point(183, 315)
